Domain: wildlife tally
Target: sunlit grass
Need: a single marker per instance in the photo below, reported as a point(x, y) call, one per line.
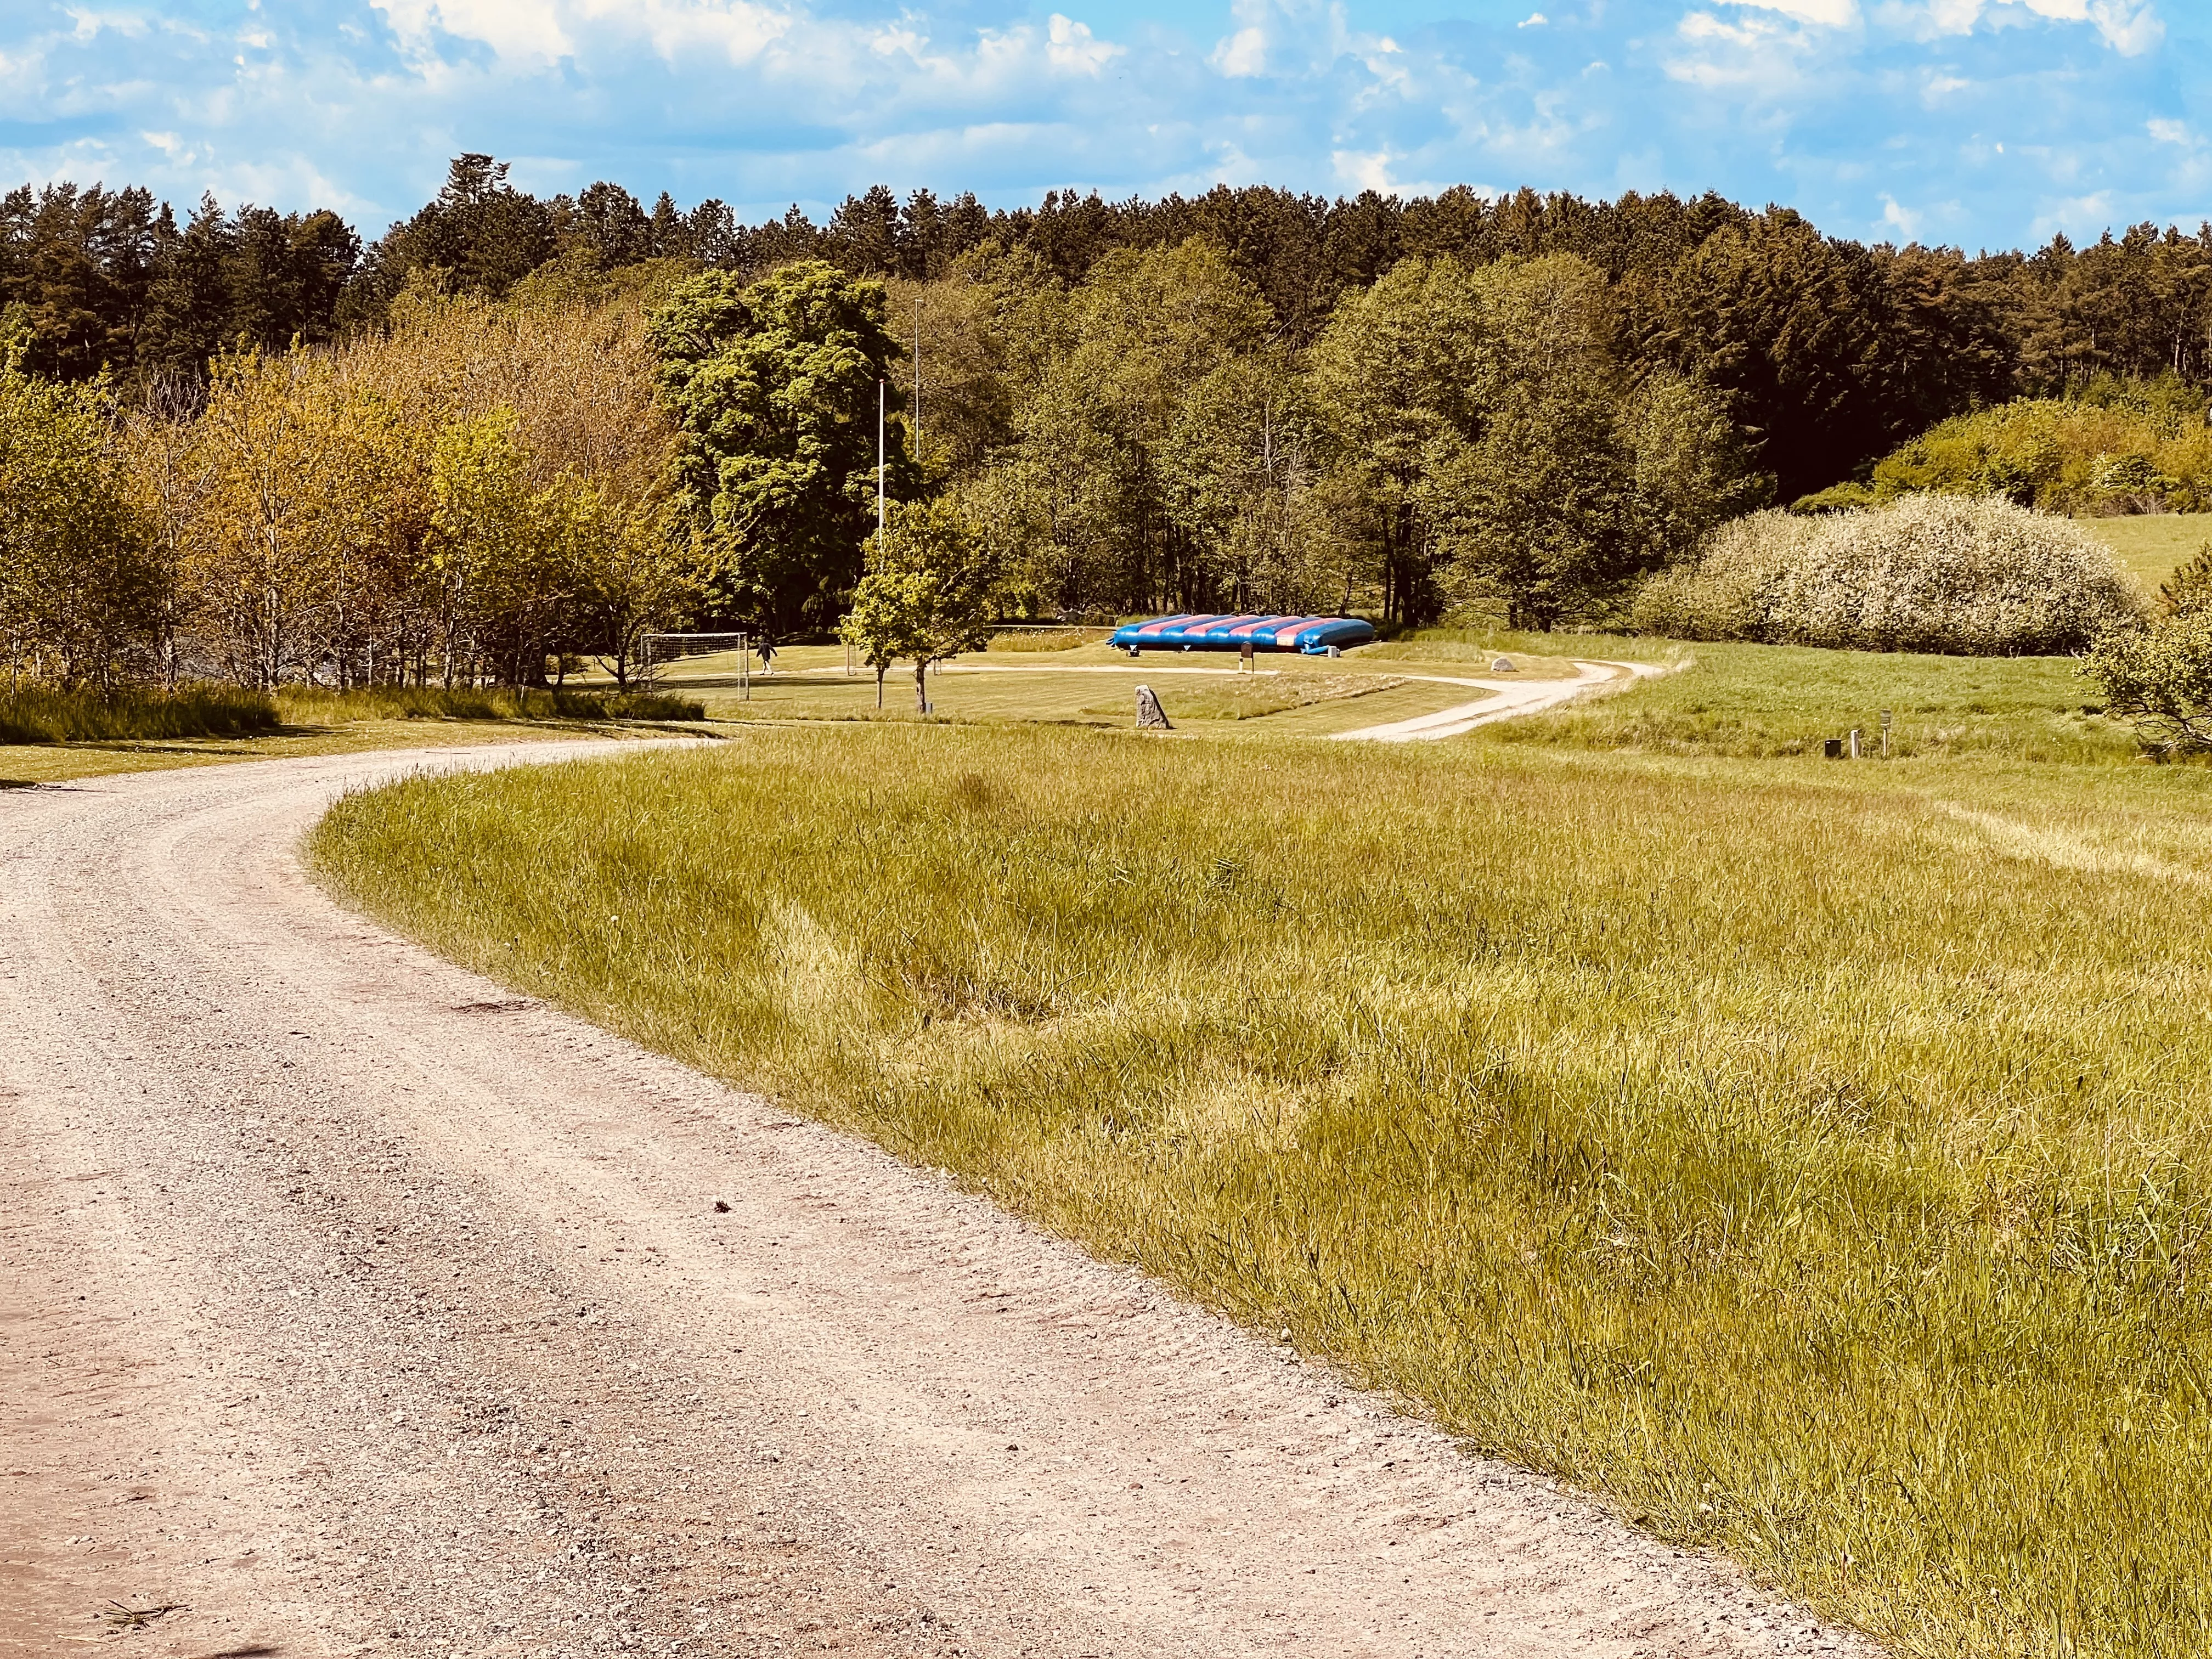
point(1808, 1158)
point(32, 714)
point(304, 705)
point(2153, 546)
point(1766, 699)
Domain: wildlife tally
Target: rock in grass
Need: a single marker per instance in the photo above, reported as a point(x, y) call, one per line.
point(1503, 665)
point(1151, 717)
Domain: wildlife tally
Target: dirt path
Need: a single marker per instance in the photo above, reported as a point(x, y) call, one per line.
point(365, 1309)
point(1513, 697)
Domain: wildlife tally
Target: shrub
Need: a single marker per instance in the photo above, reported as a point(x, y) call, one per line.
point(2124, 446)
point(1931, 572)
point(2160, 679)
point(1055, 639)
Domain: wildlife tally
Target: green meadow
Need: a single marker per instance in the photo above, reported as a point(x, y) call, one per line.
point(1807, 1157)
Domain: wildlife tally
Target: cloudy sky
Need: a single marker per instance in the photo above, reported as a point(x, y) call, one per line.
point(1984, 123)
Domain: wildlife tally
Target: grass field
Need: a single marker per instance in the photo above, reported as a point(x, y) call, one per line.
point(1084, 683)
point(2153, 545)
point(1754, 700)
point(1744, 700)
point(1808, 1158)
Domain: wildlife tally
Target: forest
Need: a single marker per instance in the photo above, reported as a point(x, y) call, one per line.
point(514, 431)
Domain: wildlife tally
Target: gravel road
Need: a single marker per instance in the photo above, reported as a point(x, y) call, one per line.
point(1513, 698)
point(353, 1306)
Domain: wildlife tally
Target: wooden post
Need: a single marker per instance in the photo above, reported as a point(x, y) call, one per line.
point(1855, 743)
point(1885, 734)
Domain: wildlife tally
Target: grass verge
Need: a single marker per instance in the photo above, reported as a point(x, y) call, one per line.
point(70, 736)
point(1810, 1160)
point(45, 714)
point(40, 715)
point(315, 705)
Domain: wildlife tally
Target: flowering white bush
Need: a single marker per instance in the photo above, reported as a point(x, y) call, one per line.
point(1974, 577)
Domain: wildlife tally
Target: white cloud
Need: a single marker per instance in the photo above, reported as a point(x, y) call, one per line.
point(1756, 54)
point(1289, 37)
point(1831, 13)
point(2130, 27)
point(1243, 54)
point(1902, 220)
point(1534, 20)
point(527, 33)
point(532, 35)
point(1364, 170)
point(2170, 132)
point(1071, 46)
point(2077, 215)
point(85, 22)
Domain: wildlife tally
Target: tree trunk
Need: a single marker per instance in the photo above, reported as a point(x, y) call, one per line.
point(880, 668)
point(921, 686)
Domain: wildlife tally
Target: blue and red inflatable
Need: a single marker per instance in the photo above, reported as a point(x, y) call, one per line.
point(1315, 636)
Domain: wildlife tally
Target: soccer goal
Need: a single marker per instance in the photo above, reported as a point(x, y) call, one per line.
point(660, 651)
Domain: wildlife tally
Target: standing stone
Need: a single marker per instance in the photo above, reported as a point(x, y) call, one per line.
point(1151, 717)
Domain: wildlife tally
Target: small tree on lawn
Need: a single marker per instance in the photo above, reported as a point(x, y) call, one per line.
point(927, 597)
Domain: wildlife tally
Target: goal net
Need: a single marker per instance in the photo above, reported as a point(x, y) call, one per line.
point(659, 651)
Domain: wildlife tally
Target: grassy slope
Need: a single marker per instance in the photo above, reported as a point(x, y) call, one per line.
point(1807, 1157)
point(2153, 545)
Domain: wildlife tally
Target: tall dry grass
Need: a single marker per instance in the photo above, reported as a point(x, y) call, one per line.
point(320, 706)
point(1815, 1163)
point(40, 714)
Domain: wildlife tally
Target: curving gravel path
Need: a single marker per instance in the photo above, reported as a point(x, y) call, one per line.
point(1514, 697)
point(364, 1309)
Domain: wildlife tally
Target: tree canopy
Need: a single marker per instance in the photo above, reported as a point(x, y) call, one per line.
point(775, 387)
point(1831, 351)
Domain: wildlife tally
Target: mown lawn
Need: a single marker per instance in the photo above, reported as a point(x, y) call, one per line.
point(1752, 701)
point(2152, 546)
point(1811, 1158)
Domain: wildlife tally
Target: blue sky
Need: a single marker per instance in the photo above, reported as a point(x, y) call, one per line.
point(1984, 123)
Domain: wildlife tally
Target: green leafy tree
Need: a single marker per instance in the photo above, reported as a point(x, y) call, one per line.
point(639, 568)
point(1394, 375)
point(927, 596)
point(2189, 590)
point(79, 590)
point(1109, 497)
point(774, 389)
point(1242, 480)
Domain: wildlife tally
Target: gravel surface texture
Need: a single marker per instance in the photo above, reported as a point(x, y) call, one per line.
point(352, 1305)
point(1513, 698)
